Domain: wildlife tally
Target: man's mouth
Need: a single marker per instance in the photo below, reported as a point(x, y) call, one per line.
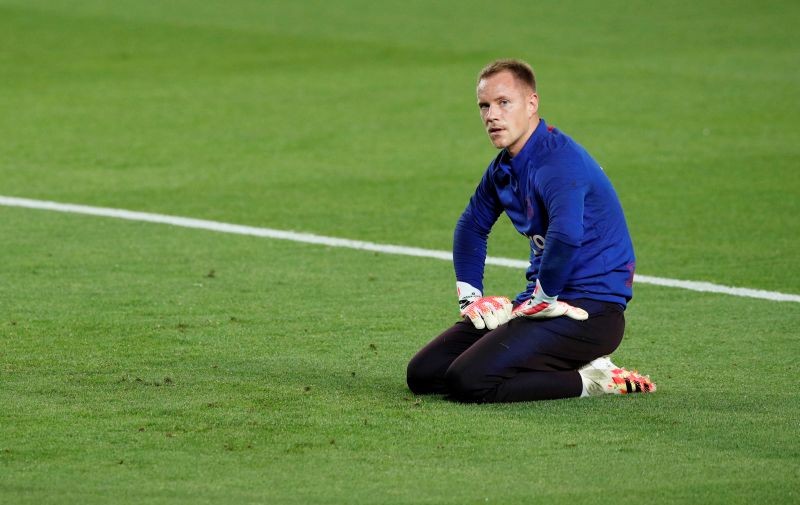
point(495, 129)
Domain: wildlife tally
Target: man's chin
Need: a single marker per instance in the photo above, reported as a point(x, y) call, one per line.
point(498, 143)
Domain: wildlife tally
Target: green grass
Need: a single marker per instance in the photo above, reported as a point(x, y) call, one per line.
point(147, 363)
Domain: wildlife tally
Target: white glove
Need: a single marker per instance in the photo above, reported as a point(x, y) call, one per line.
point(541, 306)
point(484, 311)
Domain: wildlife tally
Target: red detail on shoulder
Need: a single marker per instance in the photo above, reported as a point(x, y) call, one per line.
point(550, 127)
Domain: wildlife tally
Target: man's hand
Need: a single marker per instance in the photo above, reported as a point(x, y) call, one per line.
point(541, 306)
point(488, 312)
point(484, 311)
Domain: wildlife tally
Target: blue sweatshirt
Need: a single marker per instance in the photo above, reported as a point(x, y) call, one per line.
point(561, 200)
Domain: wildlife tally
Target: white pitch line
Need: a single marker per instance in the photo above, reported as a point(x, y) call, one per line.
point(202, 224)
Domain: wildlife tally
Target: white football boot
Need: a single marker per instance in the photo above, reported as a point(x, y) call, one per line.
point(601, 376)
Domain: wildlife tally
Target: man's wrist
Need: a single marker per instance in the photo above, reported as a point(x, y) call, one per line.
point(540, 296)
point(467, 294)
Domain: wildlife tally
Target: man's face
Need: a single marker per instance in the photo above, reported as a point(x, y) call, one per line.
point(508, 109)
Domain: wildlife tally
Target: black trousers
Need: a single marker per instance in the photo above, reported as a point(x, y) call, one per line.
point(523, 360)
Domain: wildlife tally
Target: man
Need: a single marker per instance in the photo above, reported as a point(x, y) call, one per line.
point(555, 340)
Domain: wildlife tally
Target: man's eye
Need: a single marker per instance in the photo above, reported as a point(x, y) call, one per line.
point(504, 102)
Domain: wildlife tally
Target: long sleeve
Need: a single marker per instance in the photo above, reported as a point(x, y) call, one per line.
point(469, 251)
point(472, 233)
point(557, 261)
point(564, 196)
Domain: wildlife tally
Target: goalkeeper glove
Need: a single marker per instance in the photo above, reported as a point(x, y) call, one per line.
point(484, 311)
point(541, 306)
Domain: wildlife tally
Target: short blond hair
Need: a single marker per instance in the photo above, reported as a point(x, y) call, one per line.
point(521, 71)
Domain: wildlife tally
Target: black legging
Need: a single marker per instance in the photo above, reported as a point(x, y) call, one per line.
point(524, 360)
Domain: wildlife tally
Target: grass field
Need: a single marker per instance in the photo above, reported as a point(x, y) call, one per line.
point(143, 363)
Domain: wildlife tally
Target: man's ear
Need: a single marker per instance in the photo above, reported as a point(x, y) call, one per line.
point(533, 104)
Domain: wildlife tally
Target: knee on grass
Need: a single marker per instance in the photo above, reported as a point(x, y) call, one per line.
point(420, 378)
point(465, 387)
